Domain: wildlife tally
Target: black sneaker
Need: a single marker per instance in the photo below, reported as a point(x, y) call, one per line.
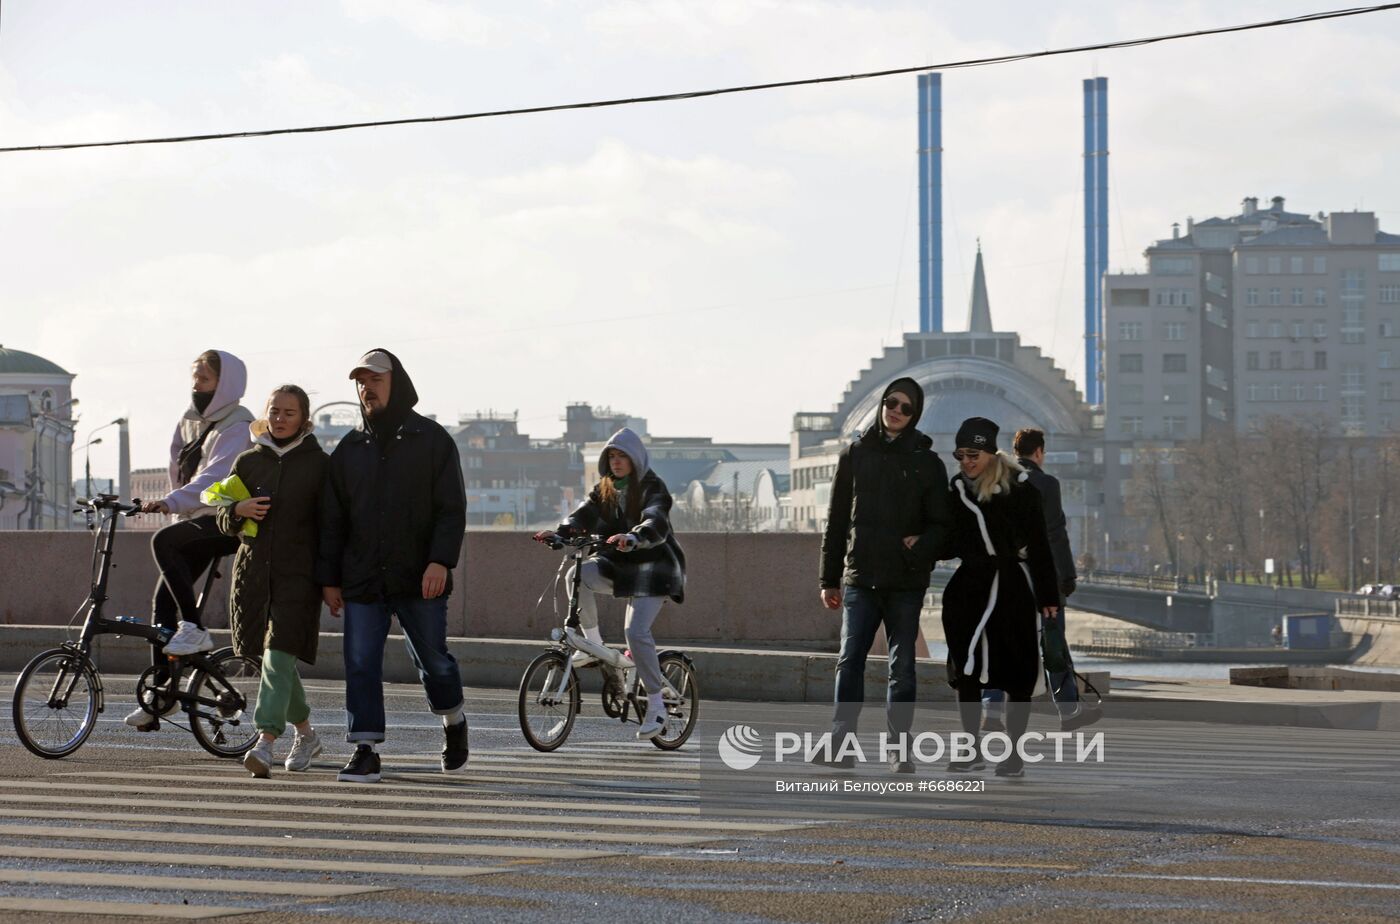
point(901, 766)
point(362, 768)
point(967, 766)
point(454, 751)
point(1084, 715)
point(1012, 768)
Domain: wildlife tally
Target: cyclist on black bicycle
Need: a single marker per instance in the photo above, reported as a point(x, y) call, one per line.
point(643, 562)
point(210, 435)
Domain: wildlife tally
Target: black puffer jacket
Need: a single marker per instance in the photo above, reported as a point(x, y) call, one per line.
point(394, 502)
point(885, 490)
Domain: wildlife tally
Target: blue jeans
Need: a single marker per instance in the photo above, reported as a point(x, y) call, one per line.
point(1064, 689)
point(424, 624)
point(863, 613)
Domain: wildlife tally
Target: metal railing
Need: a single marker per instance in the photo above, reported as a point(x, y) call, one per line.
point(1368, 607)
point(1135, 581)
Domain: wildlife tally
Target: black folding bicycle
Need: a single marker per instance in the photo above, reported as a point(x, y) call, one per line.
point(58, 695)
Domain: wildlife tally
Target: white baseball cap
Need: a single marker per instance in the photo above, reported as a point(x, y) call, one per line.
point(374, 361)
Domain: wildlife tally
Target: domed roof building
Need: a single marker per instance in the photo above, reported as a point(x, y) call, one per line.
point(36, 442)
point(977, 372)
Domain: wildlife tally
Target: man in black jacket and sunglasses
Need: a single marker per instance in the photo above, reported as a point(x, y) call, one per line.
point(887, 526)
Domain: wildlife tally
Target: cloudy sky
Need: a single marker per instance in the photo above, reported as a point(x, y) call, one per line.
point(712, 265)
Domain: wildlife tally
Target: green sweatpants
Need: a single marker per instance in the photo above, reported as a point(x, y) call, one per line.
point(281, 698)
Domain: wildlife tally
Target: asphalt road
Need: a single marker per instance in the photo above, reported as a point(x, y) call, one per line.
point(149, 827)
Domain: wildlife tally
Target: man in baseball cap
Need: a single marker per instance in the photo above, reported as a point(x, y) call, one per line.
point(377, 361)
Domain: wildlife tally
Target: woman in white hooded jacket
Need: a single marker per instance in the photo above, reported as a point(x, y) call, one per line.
point(210, 435)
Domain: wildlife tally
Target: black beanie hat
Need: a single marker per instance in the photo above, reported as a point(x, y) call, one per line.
point(977, 433)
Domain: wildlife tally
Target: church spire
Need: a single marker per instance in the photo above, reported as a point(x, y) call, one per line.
point(979, 318)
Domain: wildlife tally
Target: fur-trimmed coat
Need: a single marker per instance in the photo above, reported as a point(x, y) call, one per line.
point(992, 602)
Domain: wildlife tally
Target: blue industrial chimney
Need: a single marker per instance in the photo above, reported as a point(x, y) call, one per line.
point(930, 203)
point(1095, 230)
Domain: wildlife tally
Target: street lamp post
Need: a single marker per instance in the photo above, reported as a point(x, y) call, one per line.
point(1179, 537)
point(87, 463)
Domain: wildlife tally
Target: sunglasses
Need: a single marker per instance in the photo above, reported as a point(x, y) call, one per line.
point(904, 407)
point(967, 455)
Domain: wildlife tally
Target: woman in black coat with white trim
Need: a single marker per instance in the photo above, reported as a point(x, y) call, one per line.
point(1006, 579)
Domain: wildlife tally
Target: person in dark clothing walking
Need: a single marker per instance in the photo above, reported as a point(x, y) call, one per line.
point(1029, 446)
point(887, 526)
point(393, 516)
point(269, 504)
point(1005, 578)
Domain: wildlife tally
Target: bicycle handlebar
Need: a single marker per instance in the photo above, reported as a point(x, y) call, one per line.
point(109, 502)
point(576, 542)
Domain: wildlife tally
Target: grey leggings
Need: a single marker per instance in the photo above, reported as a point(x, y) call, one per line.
point(641, 613)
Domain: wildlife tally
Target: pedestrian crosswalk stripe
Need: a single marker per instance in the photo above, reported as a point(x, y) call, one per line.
point(165, 794)
point(501, 851)
point(318, 782)
point(301, 824)
point(441, 814)
point(146, 881)
point(278, 864)
point(117, 909)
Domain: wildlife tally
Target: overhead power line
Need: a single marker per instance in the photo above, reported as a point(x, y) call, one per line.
point(721, 91)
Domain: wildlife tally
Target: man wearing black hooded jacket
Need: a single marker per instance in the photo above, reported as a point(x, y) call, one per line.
point(393, 515)
point(887, 526)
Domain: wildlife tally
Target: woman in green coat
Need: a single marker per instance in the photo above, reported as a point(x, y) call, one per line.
point(270, 502)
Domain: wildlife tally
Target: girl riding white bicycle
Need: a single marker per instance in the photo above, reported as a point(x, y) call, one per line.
point(643, 562)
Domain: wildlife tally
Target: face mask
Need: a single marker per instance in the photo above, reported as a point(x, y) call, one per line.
point(201, 400)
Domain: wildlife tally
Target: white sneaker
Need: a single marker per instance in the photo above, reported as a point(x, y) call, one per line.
point(258, 761)
point(653, 726)
point(189, 639)
point(303, 749)
point(141, 720)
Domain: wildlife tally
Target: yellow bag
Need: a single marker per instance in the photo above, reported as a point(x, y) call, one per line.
point(226, 493)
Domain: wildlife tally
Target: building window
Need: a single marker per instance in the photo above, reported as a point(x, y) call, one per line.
point(1174, 330)
point(1130, 362)
point(1251, 296)
point(1173, 362)
point(1253, 392)
point(1275, 265)
point(1132, 426)
point(1320, 297)
point(1130, 394)
point(1275, 296)
point(1173, 266)
point(1387, 328)
point(1295, 265)
point(1175, 426)
point(1275, 359)
point(1320, 359)
point(1174, 394)
point(1251, 266)
point(1298, 391)
point(1276, 392)
point(1386, 391)
point(1320, 392)
point(1388, 262)
point(1175, 298)
point(1296, 297)
point(1251, 329)
point(1383, 359)
point(1299, 330)
point(1251, 361)
point(1319, 329)
point(1319, 264)
point(1275, 328)
point(1129, 330)
point(1390, 295)
point(1295, 359)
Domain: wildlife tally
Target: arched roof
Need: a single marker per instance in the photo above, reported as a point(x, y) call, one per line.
point(956, 388)
point(18, 362)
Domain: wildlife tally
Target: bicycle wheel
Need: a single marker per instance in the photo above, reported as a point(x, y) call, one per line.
point(682, 706)
point(55, 704)
point(221, 715)
point(549, 701)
